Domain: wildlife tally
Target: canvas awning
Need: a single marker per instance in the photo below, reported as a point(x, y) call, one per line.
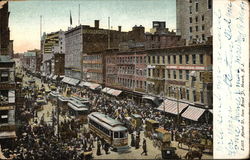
point(193, 113)
point(105, 90)
point(81, 84)
point(94, 86)
point(116, 92)
point(73, 81)
point(7, 134)
point(151, 98)
point(54, 77)
point(211, 110)
point(65, 79)
point(50, 76)
point(170, 106)
point(43, 75)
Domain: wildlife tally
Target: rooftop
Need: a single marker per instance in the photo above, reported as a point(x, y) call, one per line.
point(106, 119)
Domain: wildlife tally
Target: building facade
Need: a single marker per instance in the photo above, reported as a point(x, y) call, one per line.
point(185, 72)
point(7, 101)
point(194, 20)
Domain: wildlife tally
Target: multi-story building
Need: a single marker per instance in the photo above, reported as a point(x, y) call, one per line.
point(7, 101)
point(84, 44)
point(32, 60)
point(6, 45)
point(194, 20)
point(184, 71)
point(51, 44)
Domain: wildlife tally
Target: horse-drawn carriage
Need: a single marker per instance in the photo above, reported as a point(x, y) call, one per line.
point(151, 125)
point(161, 138)
point(167, 153)
point(136, 121)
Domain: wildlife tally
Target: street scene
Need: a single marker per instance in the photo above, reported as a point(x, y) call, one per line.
point(91, 91)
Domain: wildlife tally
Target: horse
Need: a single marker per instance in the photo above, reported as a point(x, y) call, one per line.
point(193, 154)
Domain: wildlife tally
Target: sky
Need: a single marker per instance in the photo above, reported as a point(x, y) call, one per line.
point(24, 21)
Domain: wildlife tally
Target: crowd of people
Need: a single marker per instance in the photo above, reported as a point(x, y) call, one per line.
point(38, 140)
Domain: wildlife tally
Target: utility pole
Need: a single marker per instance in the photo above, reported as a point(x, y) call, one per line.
point(41, 25)
point(108, 32)
point(79, 17)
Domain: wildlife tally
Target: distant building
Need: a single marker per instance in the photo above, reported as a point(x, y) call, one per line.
point(51, 44)
point(6, 45)
point(84, 40)
point(194, 20)
point(7, 101)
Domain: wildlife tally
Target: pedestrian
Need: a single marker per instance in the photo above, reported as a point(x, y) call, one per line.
point(144, 147)
point(106, 148)
point(98, 153)
point(132, 140)
point(137, 142)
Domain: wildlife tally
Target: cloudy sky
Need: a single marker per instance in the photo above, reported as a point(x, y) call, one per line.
point(24, 19)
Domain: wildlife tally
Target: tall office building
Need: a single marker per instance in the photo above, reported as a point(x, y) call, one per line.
point(194, 20)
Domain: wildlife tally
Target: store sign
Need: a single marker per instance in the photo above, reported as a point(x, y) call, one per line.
point(186, 67)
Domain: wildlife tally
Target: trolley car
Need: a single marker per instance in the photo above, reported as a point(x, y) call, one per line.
point(111, 130)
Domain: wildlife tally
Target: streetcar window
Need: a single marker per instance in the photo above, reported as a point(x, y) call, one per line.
point(122, 134)
point(115, 134)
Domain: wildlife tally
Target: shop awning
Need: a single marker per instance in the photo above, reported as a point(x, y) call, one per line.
point(211, 110)
point(171, 106)
point(94, 86)
point(81, 84)
point(105, 90)
point(54, 77)
point(6, 134)
point(193, 113)
point(151, 98)
point(65, 79)
point(50, 76)
point(116, 92)
point(43, 75)
point(70, 81)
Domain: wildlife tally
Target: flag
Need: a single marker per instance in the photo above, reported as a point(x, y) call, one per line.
point(70, 18)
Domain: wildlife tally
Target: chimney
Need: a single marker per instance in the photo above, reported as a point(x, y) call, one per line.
point(97, 24)
point(119, 28)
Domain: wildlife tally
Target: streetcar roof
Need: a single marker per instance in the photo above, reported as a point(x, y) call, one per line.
point(119, 128)
point(106, 119)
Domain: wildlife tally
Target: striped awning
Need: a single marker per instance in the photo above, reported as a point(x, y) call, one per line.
point(106, 89)
point(116, 92)
point(94, 86)
point(193, 113)
point(171, 106)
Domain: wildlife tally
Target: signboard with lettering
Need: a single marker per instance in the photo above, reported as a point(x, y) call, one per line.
point(185, 67)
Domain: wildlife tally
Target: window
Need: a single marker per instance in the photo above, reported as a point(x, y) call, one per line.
point(194, 96)
point(203, 27)
point(174, 56)
point(180, 59)
point(4, 76)
point(187, 75)
point(116, 135)
point(202, 18)
point(194, 58)
point(149, 73)
point(174, 74)
point(140, 59)
point(196, 7)
point(209, 3)
point(180, 74)
point(196, 19)
point(202, 97)
point(169, 76)
point(187, 93)
point(168, 59)
point(187, 59)
point(158, 59)
point(153, 72)
point(190, 9)
point(153, 59)
point(203, 37)
point(149, 59)
point(190, 20)
point(190, 29)
point(191, 37)
point(196, 28)
point(157, 73)
point(190, 1)
point(3, 116)
point(197, 36)
point(163, 59)
point(201, 58)
point(163, 73)
point(122, 134)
